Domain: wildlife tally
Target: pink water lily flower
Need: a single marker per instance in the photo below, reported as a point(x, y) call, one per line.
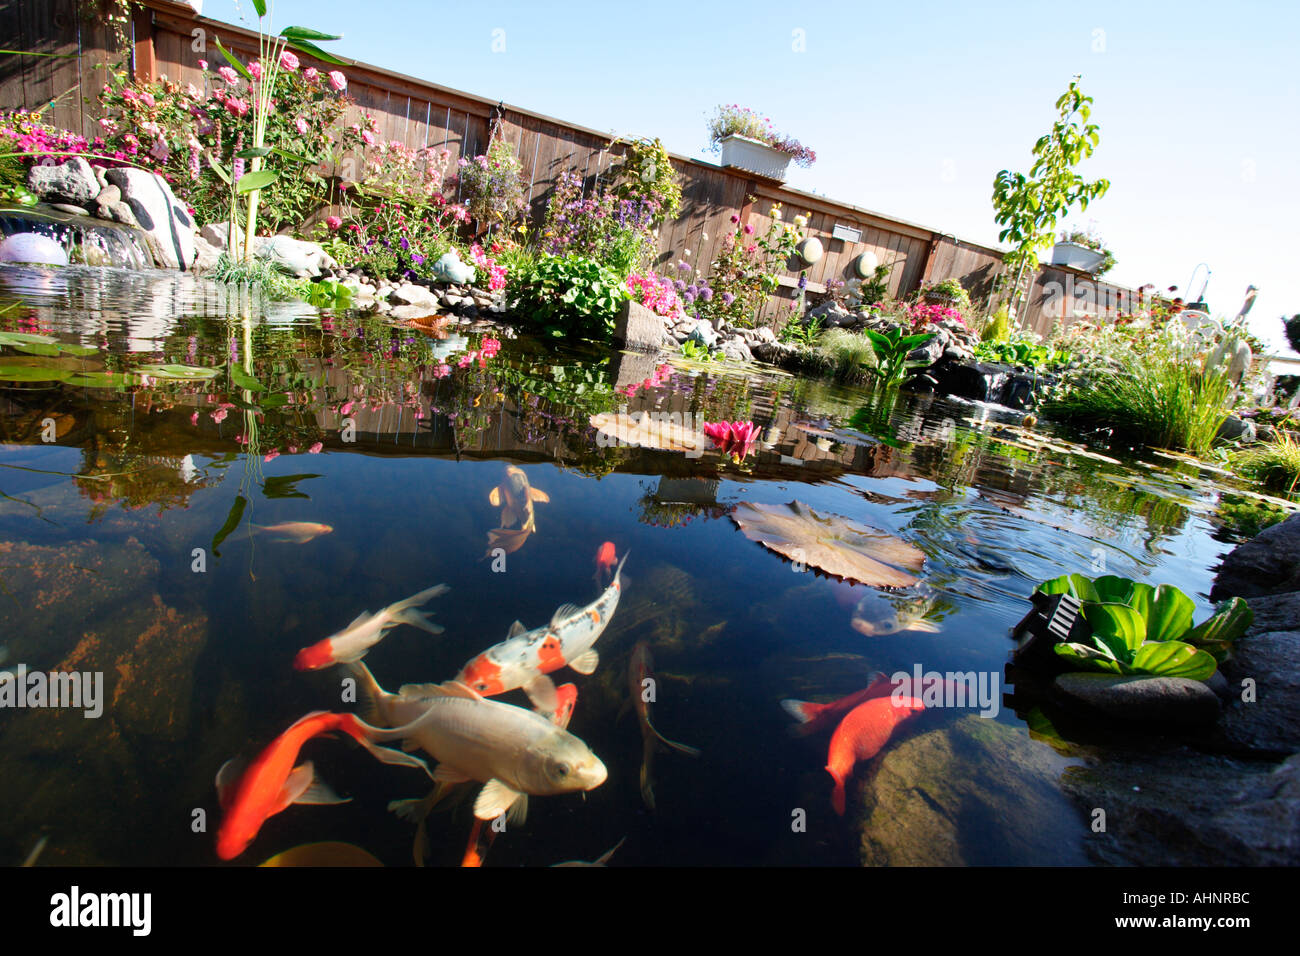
point(733, 438)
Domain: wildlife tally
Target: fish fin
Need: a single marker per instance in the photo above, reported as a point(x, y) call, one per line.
point(924, 626)
point(415, 600)
point(561, 720)
point(408, 810)
point(372, 694)
point(585, 663)
point(623, 709)
point(563, 611)
point(295, 785)
point(494, 799)
point(420, 691)
point(320, 793)
point(418, 619)
point(837, 794)
point(516, 629)
point(494, 497)
point(604, 857)
point(450, 775)
point(357, 620)
point(619, 569)
point(394, 757)
point(536, 494)
point(518, 812)
point(227, 779)
point(802, 710)
point(674, 745)
point(409, 744)
point(647, 786)
point(541, 691)
point(454, 688)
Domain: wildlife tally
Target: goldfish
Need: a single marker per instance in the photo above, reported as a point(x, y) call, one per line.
point(271, 783)
point(524, 658)
point(605, 558)
point(861, 735)
point(880, 612)
point(513, 751)
point(481, 839)
point(640, 680)
point(515, 497)
point(352, 643)
point(295, 532)
point(813, 717)
point(599, 861)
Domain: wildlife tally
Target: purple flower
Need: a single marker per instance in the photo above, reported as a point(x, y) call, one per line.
point(706, 294)
point(679, 285)
point(404, 244)
point(417, 259)
point(728, 298)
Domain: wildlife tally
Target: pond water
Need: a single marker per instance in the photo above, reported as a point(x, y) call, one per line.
point(128, 545)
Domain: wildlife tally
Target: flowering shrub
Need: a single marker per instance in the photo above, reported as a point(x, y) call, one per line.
point(183, 130)
point(656, 293)
point(491, 186)
point(496, 272)
point(646, 173)
point(745, 272)
point(616, 232)
point(736, 120)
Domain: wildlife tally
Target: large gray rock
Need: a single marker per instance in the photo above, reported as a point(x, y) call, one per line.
point(1160, 700)
point(1271, 722)
point(72, 182)
point(169, 231)
point(1237, 429)
point(735, 350)
point(637, 327)
point(1268, 563)
point(297, 257)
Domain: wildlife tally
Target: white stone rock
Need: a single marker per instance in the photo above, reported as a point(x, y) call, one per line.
point(72, 182)
point(297, 257)
point(169, 231)
point(412, 294)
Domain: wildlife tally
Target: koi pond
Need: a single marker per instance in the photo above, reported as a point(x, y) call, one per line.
point(195, 486)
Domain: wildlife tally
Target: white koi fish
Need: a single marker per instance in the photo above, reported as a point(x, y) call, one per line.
point(524, 658)
point(514, 751)
point(352, 643)
point(295, 532)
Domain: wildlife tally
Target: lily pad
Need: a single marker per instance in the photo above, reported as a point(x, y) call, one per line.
point(183, 373)
point(11, 372)
point(832, 543)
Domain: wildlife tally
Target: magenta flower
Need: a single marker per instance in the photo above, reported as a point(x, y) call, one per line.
point(288, 61)
point(227, 74)
point(333, 222)
point(733, 438)
point(256, 69)
point(338, 81)
point(315, 448)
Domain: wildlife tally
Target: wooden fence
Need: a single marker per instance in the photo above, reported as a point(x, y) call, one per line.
point(169, 40)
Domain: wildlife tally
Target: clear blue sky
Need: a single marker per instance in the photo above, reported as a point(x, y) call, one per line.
point(914, 107)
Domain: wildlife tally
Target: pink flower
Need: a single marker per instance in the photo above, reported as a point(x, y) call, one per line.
point(256, 69)
point(300, 125)
point(272, 454)
point(227, 74)
point(315, 448)
point(194, 419)
point(310, 74)
point(288, 61)
point(203, 64)
point(442, 371)
point(347, 407)
point(333, 222)
point(148, 100)
point(236, 106)
point(733, 438)
point(338, 81)
point(368, 137)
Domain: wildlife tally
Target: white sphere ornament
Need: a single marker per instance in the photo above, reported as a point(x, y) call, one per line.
point(865, 265)
point(810, 250)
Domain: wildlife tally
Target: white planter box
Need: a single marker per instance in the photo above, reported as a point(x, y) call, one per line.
point(1076, 256)
point(741, 152)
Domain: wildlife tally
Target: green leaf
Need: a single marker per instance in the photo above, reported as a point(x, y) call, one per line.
point(296, 157)
point(232, 522)
point(253, 152)
point(311, 49)
point(243, 380)
point(1217, 633)
point(1089, 658)
point(282, 486)
point(234, 62)
point(256, 180)
point(26, 338)
point(260, 7)
point(186, 373)
point(1170, 614)
point(307, 33)
point(31, 373)
point(1173, 659)
point(1118, 626)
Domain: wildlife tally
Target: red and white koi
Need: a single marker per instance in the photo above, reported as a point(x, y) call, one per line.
point(524, 658)
point(352, 643)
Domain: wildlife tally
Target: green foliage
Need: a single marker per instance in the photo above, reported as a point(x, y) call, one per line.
point(801, 333)
point(1159, 398)
point(998, 327)
point(876, 289)
point(1138, 629)
point(491, 185)
point(1274, 464)
point(646, 174)
point(953, 290)
point(745, 271)
point(570, 295)
point(1247, 517)
point(698, 353)
point(891, 350)
point(1081, 238)
point(1029, 354)
point(260, 273)
point(13, 182)
point(850, 356)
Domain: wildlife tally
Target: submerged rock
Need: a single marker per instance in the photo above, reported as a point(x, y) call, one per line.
point(976, 793)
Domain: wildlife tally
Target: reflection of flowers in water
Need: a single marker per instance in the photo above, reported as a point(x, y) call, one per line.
point(656, 508)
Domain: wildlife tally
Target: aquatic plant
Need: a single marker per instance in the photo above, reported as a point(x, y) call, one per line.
point(801, 333)
point(733, 438)
point(1274, 464)
point(892, 349)
point(1027, 353)
point(1138, 629)
point(260, 273)
point(851, 356)
point(1157, 396)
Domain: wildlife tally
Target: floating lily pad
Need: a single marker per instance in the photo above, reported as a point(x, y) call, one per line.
point(832, 543)
point(183, 373)
point(12, 372)
point(101, 379)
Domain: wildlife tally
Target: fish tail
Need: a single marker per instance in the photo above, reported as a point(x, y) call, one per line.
point(837, 793)
point(804, 711)
point(366, 735)
point(416, 618)
point(372, 695)
point(415, 600)
point(623, 561)
point(672, 744)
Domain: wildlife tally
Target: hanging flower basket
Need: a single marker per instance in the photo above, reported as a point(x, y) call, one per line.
point(741, 152)
point(1075, 256)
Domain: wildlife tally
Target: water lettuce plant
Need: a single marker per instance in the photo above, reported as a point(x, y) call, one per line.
point(1140, 629)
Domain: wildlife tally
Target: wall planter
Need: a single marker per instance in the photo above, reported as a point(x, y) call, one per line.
point(1075, 256)
point(741, 152)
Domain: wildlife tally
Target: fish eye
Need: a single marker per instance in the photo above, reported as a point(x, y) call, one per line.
point(561, 769)
point(481, 685)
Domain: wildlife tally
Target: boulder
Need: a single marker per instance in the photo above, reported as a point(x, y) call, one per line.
point(34, 248)
point(1139, 699)
point(1270, 723)
point(637, 327)
point(72, 182)
point(735, 350)
point(169, 231)
point(1268, 563)
point(109, 195)
point(412, 294)
point(205, 255)
point(1237, 429)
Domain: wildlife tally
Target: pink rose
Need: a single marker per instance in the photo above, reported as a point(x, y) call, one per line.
point(227, 74)
point(256, 69)
point(310, 74)
point(333, 222)
point(338, 80)
point(368, 138)
point(288, 61)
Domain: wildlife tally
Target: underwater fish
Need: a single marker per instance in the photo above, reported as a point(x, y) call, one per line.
point(599, 861)
point(861, 735)
point(295, 532)
point(481, 839)
point(524, 658)
point(515, 497)
point(813, 717)
point(327, 853)
point(514, 751)
point(880, 612)
point(352, 643)
point(508, 540)
point(272, 783)
point(605, 560)
point(641, 669)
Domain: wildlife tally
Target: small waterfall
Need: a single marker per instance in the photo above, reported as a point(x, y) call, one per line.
point(87, 241)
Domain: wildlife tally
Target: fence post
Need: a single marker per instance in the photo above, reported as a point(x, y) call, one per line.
point(143, 63)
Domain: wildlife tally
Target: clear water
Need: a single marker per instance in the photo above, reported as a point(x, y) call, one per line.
point(99, 531)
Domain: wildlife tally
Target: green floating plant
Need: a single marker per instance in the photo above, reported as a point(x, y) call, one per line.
point(1138, 629)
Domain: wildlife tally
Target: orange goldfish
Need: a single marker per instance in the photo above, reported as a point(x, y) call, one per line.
point(862, 735)
point(272, 783)
point(480, 841)
point(605, 561)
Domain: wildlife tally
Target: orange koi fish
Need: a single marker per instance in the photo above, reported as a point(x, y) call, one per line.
point(272, 783)
point(862, 735)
